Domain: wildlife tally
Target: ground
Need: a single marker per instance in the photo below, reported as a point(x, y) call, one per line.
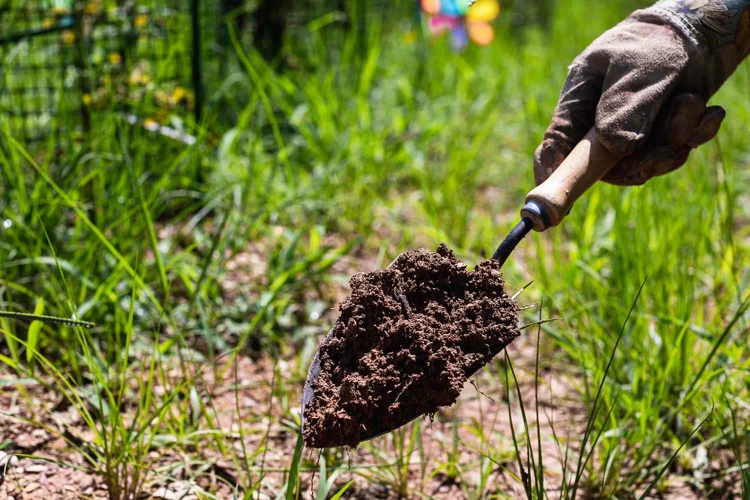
point(55, 472)
point(452, 444)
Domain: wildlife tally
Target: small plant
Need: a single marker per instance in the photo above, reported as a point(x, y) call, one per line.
point(529, 456)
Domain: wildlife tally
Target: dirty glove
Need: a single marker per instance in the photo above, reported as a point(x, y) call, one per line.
point(645, 86)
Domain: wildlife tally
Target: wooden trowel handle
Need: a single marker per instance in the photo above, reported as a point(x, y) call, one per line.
point(549, 203)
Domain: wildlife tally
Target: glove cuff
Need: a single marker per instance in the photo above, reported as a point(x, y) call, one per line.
point(710, 24)
point(676, 21)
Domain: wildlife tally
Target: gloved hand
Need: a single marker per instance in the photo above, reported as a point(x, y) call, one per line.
point(645, 86)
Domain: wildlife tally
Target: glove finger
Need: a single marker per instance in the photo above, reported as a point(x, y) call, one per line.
point(573, 118)
point(685, 125)
point(662, 164)
point(709, 127)
point(549, 155)
point(636, 88)
point(639, 167)
point(681, 121)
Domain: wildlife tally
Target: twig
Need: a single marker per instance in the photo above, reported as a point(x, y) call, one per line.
point(46, 319)
point(480, 392)
point(403, 391)
point(538, 323)
point(519, 292)
point(401, 298)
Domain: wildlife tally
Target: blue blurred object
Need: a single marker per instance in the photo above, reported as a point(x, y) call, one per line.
point(459, 37)
point(67, 21)
point(453, 7)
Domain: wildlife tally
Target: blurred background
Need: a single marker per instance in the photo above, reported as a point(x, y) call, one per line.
point(199, 179)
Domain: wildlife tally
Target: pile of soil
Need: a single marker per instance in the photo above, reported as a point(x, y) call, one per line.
point(406, 342)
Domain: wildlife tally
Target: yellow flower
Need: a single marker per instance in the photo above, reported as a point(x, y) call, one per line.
point(48, 23)
point(68, 37)
point(59, 11)
point(162, 98)
point(141, 21)
point(180, 95)
point(139, 77)
point(410, 37)
point(150, 123)
point(92, 8)
point(115, 58)
point(86, 99)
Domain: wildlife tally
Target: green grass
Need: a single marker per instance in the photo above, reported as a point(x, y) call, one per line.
point(368, 147)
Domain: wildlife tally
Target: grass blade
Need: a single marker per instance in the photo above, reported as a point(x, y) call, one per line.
point(525, 478)
point(32, 338)
point(536, 401)
point(293, 480)
point(146, 216)
point(594, 413)
point(674, 456)
point(341, 492)
point(52, 320)
point(92, 227)
point(717, 345)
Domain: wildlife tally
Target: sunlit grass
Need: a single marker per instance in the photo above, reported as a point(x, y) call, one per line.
point(367, 149)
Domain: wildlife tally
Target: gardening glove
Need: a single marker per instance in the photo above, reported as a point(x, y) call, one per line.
point(645, 84)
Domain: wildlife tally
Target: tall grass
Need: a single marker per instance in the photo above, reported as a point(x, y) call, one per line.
point(370, 147)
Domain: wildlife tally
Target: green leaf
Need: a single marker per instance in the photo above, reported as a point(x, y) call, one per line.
point(674, 456)
point(322, 480)
point(338, 495)
point(73, 205)
point(293, 481)
point(153, 238)
point(7, 361)
point(33, 337)
point(7, 382)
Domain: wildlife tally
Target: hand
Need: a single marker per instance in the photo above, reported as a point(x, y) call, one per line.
point(645, 86)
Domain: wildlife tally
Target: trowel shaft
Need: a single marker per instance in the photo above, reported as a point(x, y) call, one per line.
point(548, 204)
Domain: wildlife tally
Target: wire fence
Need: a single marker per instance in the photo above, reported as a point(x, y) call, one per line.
point(66, 63)
point(36, 52)
point(63, 61)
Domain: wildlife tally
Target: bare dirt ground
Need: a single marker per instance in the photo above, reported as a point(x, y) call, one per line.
point(259, 403)
point(57, 471)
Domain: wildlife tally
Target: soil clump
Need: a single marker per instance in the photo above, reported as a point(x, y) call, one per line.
point(407, 340)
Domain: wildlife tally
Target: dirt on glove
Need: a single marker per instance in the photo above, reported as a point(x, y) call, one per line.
point(406, 342)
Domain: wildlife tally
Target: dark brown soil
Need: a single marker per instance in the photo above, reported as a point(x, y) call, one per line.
point(406, 342)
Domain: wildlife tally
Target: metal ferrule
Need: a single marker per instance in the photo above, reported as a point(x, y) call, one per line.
point(538, 216)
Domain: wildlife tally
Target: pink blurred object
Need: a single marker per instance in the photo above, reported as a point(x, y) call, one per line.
point(440, 24)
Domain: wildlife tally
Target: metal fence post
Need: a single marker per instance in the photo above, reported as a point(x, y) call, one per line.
point(197, 59)
point(82, 64)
